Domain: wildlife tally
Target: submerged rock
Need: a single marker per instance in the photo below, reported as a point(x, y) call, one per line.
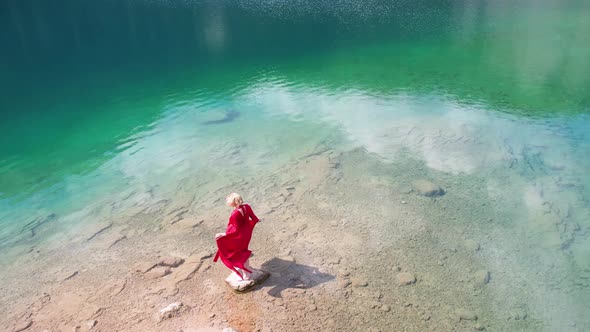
point(471, 245)
point(222, 117)
point(464, 314)
point(427, 188)
point(405, 278)
point(518, 314)
point(482, 277)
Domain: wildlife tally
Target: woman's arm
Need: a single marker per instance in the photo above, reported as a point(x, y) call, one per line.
point(232, 226)
point(251, 214)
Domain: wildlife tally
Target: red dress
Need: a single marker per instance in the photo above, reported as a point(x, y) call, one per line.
point(233, 247)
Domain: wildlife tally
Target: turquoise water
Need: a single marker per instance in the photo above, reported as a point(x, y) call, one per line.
point(103, 98)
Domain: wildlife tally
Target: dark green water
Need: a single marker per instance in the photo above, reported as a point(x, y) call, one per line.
point(92, 92)
point(81, 75)
point(102, 69)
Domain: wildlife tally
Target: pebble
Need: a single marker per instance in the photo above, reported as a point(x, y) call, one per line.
point(23, 326)
point(344, 272)
point(171, 261)
point(427, 188)
point(91, 323)
point(385, 308)
point(471, 245)
point(405, 278)
point(464, 314)
point(68, 275)
point(301, 228)
point(519, 314)
point(144, 267)
point(298, 290)
point(343, 283)
point(375, 304)
point(312, 307)
point(359, 282)
point(482, 277)
point(479, 327)
point(157, 273)
point(334, 260)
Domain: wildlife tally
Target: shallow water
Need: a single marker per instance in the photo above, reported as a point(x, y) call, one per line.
point(109, 107)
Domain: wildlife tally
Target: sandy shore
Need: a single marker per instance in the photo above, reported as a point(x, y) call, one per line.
point(352, 243)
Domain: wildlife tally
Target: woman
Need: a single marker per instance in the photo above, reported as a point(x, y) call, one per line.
point(233, 244)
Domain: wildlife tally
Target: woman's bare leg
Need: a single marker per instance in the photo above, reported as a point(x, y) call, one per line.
point(246, 274)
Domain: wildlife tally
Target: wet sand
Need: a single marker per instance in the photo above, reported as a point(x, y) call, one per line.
point(351, 243)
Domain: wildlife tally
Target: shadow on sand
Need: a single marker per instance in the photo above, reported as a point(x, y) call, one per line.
point(287, 274)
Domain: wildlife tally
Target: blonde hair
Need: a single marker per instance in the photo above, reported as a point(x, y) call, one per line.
point(234, 199)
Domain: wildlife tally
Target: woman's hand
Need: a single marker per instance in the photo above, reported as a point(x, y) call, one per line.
point(218, 235)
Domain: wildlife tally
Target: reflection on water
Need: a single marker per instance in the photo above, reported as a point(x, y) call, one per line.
point(117, 115)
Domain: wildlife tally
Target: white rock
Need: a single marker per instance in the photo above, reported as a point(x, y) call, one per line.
point(241, 286)
point(170, 311)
